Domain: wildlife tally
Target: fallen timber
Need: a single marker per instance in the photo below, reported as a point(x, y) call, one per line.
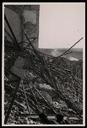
point(35, 65)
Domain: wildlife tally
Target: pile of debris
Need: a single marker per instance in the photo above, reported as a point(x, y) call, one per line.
point(38, 79)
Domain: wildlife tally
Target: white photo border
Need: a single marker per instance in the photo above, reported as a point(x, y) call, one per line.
point(36, 3)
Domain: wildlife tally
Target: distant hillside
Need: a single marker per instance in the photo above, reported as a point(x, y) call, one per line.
point(75, 52)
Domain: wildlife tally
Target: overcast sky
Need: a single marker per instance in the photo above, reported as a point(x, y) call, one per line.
point(61, 25)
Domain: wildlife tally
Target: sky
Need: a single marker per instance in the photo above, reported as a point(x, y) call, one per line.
point(61, 25)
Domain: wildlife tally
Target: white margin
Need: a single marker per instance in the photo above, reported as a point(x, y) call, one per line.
point(2, 64)
point(27, 3)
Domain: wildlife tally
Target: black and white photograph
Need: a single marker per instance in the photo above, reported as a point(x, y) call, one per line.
point(43, 64)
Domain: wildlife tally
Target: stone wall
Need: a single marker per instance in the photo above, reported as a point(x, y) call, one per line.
point(31, 22)
point(24, 18)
